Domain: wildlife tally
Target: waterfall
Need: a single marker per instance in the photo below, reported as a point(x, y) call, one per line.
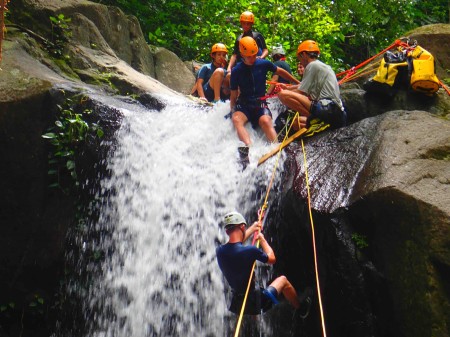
point(174, 174)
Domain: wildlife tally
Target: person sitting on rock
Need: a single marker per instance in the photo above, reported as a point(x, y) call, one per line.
point(317, 97)
point(212, 83)
point(248, 88)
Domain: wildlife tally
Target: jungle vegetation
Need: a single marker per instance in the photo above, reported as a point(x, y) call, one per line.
point(348, 31)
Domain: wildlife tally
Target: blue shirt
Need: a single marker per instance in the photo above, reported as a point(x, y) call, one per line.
point(251, 80)
point(236, 261)
point(284, 65)
point(206, 72)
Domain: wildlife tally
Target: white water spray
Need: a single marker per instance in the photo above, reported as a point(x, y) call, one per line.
point(174, 175)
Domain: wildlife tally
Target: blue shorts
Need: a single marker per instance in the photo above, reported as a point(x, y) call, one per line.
point(253, 109)
point(209, 92)
point(258, 300)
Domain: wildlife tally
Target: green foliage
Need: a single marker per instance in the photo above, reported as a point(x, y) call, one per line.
point(60, 35)
point(360, 240)
point(348, 31)
point(7, 307)
point(37, 304)
point(69, 133)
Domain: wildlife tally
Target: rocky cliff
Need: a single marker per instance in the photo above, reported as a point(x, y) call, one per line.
point(385, 177)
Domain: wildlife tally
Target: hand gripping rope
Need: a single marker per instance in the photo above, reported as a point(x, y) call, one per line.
point(261, 214)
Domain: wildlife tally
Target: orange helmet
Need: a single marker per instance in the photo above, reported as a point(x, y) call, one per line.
point(218, 47)
point(247, 17)
point(308, 46)
point(248, 46)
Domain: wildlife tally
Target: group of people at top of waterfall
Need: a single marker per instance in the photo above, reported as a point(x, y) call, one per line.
point(243, 81)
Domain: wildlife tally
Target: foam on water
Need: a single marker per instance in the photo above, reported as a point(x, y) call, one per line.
point(174, 175)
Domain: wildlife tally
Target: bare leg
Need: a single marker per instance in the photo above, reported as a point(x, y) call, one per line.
point(295, 101)
point(266, 124)
point(283, 286)
point(216, 82)
point(239, 119)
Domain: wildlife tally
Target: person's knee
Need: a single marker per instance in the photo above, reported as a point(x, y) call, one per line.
point(265, 122)
point(280, 283)
point(283, 280)
point(237, 119)
point(218, 73)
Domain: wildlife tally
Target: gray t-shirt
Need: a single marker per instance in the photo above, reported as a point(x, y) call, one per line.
point(319, 82)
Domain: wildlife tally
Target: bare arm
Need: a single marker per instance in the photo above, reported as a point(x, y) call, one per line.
point(232, 62)
point(292, 87)
point(272, 85)
point(283, 73)
point(264, 54)
point(200, 91)
point(255, 227)
point(267, 249)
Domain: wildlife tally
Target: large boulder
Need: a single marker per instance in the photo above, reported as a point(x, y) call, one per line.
point(104, 42)
point(435, 39)
point(173, 72)
point(380, 200)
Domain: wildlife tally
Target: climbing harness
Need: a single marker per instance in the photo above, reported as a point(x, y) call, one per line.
point(261, 214)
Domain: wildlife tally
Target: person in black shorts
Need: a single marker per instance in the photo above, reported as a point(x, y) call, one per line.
point(248, 88)
point(236, 261)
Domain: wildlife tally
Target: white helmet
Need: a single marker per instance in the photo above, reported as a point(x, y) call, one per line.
point(233, 218)
point(278, 50)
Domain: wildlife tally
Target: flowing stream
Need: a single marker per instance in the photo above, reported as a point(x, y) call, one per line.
point(174, 174)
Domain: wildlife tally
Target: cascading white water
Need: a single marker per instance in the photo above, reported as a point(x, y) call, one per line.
point(174, 175)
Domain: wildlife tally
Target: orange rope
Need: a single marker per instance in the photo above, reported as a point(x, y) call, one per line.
point(445, 87)
point(361, 73)
point(352, 70)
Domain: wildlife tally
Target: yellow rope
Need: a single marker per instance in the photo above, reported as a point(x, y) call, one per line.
point(314, 243)
point(260, 215)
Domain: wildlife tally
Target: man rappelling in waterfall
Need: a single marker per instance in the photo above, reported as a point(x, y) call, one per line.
point(236, 260)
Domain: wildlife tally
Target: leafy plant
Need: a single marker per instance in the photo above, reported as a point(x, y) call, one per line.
point(37, 304)
point(7, 306)
point(60, 34)
point(69, 132)
point(360, 240)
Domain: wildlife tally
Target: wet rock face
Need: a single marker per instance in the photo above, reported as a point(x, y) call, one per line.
point(379, 187)
point(381, 213)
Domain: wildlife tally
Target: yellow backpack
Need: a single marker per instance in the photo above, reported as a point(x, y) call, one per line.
point(391, 75)
point(423, 75)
